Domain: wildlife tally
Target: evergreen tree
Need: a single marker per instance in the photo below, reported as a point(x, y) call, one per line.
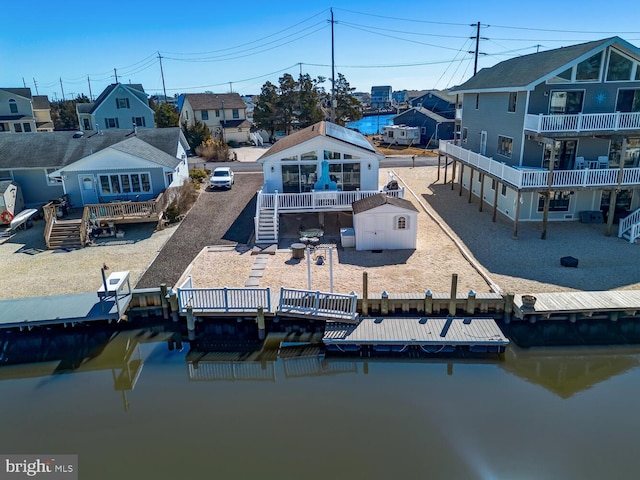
point(196, 134)
point(347, 106)
point(287, 102)
point(64, 115)
point(264, 113)
point(166, 115)
point(309, 98)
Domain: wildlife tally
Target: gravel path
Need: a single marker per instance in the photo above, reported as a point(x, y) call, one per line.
point(217, 218)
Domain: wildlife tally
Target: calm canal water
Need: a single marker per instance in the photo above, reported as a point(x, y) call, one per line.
point(137, 409)
point(371, 125)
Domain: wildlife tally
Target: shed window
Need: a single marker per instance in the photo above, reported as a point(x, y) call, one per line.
point(401, 223)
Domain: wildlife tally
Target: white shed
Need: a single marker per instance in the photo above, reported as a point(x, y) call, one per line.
point(382, 222)
point(11, 202)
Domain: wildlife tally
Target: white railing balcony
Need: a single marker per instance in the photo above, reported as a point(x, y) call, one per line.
point(583, 122)
point(317, 201)
point(523, 178)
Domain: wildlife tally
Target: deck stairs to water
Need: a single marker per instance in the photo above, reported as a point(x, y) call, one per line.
point(65, 234)
point(267, 228)
point(629, 227)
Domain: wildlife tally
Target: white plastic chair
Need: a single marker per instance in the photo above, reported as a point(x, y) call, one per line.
point(603, 161)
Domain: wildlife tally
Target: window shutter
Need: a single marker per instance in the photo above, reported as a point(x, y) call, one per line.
point(117, 104)
point(117, 123)
point(127, 100)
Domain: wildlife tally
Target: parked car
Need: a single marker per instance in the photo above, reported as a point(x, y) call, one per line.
point(222, 177)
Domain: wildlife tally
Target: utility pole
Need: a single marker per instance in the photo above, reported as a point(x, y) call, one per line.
point(333, 74)
point(300, 69)
point(230, 87)
point(116, 74)
point(164, 90)
point(62, 89)
point(90, 94)
point(35, 84)
point(477, 52)
point(24, 83)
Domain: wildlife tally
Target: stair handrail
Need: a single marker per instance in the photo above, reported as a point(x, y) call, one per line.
point(50, 217)
point(84, 225)
point(634, 233)
point(628, 222)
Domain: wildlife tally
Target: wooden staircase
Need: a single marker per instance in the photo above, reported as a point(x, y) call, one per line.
point(267, 226)
point(629, 227)
point(65, 234)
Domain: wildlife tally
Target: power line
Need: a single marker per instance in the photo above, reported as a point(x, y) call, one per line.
point(402, 19)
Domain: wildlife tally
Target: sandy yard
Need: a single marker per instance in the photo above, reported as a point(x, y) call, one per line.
point(32, 270)
point(448, 226)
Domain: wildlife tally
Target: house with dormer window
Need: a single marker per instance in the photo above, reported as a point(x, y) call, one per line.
point(555, 136)
point(119, 106)
point(21, 112)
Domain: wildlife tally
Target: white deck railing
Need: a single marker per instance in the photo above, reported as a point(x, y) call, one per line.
point(319, 304)
point(224, 300)
point(321, 200)
point(521, 178)
point(583, 122)
point(632, 224)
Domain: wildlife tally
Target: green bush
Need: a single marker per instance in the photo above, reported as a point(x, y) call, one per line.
point(198, 175)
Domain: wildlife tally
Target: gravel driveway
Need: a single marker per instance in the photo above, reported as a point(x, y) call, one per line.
point(218, 217)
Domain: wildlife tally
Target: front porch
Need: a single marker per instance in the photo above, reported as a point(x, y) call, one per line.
point(73, 228)
point(544, 195)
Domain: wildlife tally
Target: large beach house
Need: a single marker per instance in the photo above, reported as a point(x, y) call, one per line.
point(555, 135)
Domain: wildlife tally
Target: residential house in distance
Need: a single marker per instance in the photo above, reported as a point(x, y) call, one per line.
point(224, 114)
point(437, 101)
point(364, 98)
point(555, 135)
point(381, 97)
point(17, 110)
point(95, 167)
point(319, 169)
point(433, 113)
point(119, 106)
point(42, 112)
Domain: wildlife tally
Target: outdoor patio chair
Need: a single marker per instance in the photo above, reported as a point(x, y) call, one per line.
point(603, 161)
point(580, 163)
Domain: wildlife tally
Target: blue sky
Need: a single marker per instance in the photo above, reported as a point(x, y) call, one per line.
point(219, 47)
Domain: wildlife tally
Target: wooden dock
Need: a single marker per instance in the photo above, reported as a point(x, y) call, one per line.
point(615, 303)
point(429, 335)
point(60, 310)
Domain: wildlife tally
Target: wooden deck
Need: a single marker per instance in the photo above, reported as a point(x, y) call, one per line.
point(60, 310)
point(421, 332)
point(586, 303)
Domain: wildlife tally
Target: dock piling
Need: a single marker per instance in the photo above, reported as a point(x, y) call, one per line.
point(384, 303)
point(163, 301)
point(260, 322)
point(454, 294)
point(365, 294)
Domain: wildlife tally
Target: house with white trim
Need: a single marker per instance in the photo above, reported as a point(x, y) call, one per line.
point(225, 114)
point(21, 112)
point(119, 106)
point(553, 135)
point(321, 168)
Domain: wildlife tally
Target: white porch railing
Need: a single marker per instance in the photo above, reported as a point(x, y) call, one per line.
point(320, 200)
point(307, 302)
point(224, 300)
point(523, 179)
point(583, 122)
point(631, 224)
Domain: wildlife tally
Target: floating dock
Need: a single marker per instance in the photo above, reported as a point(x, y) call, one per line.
point(425, 335)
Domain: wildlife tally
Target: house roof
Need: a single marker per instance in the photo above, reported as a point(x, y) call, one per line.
point(107, 91)
point(214, 101)
point(380, 199)
point(41, 102)
point(85, 107)
point(235, 123)
point(59, 149)
point(442, 95)
point(136, 147)
point(324, 129)
point(425, 112)
point(22, 92)
point(525, 72)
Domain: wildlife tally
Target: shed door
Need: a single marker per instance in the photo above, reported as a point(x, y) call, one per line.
point(373, 234)
point(88, 189)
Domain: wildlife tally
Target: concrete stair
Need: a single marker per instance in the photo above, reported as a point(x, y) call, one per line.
point(267, 227)
point(65, 234)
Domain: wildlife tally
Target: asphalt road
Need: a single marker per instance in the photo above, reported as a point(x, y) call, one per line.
point(218, 217)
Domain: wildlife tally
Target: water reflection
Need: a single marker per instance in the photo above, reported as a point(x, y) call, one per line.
point(225, 356)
